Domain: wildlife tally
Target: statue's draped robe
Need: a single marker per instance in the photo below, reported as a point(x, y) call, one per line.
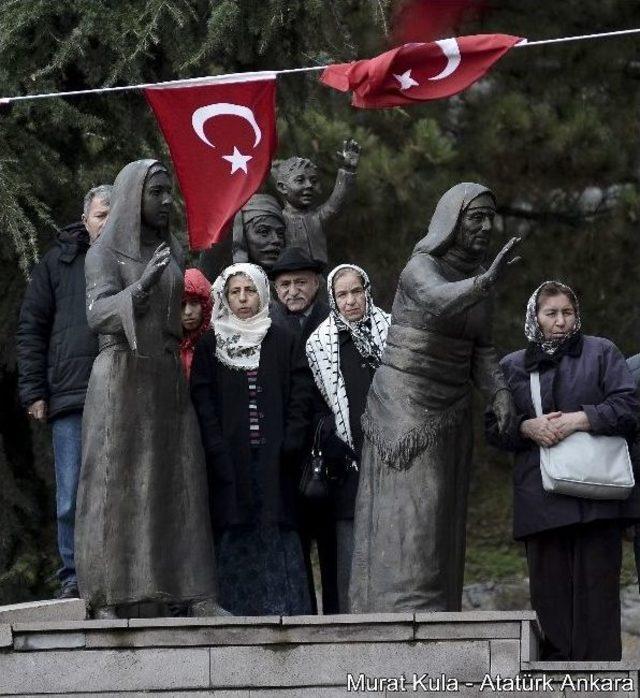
point(142, 529)
point(414, 479)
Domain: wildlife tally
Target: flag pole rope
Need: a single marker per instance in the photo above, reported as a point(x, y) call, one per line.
point(268, 74)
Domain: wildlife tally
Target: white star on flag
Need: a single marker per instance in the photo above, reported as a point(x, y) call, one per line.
point(238, 160)
point(405, 80)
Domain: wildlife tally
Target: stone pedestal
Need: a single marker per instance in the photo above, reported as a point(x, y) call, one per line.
point(464, 654)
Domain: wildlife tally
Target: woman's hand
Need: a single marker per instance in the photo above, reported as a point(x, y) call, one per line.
point(542, 429)
point(155, 266)
point(566, 423)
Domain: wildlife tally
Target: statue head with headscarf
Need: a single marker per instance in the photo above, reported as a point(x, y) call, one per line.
point(258, 232)
point(461, 225)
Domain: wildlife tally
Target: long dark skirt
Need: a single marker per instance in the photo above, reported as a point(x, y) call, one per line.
point(575, 590)
point(261, 569)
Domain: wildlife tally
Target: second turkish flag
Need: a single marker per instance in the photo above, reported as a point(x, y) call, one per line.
point(418, 72)
point(222, 137)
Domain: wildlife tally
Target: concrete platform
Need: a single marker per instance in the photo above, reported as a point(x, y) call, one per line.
point(464, 654)
point(49, 610)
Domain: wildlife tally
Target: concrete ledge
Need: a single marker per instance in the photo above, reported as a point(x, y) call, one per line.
point(577, 667)
point(76, 671)
point(49, 610)
point(470, 631)
point(48, 641)
point(472, 616)
point(207, 621)
point(70, 625)
point(6, 637)
point(326, 665)
point(346, 619)
point(194, 636)
point(289, 657)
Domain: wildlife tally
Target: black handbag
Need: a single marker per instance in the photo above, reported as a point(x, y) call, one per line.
point(314, 482)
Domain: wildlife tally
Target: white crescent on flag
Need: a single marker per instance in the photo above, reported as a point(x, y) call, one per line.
point(203, 114)
point(451, 52)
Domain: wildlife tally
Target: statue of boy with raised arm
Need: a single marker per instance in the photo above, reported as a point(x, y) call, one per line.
point(298, 182)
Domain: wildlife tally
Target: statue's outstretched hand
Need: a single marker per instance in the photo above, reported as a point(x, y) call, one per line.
point(350, 154)
point(155, 266)
point(502, 261)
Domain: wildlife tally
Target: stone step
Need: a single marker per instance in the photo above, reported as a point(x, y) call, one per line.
point(265, 657)
point(49, 610)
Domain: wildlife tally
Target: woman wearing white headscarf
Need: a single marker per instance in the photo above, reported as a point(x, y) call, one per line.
point(343, 354)
point(250, 399)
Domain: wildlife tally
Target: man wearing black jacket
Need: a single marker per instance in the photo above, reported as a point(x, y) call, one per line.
point(56, 350)
point(301, 306)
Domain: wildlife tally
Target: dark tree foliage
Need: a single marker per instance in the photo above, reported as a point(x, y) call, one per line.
point(552, 130)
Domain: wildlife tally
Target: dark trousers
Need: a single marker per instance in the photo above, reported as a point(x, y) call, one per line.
point(317, 523)
point(574, 579)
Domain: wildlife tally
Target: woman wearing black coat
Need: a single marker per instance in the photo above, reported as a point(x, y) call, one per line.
point(251, 398)
point(573, 544)
point(343, 353)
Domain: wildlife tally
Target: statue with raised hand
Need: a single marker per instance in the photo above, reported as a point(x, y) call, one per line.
point(298, 182)
point(411, 508)
point(142, 524)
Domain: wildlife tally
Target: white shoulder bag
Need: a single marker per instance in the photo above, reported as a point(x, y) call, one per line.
point(584, 465)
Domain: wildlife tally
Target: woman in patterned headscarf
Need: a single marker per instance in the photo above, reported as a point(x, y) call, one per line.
point(573, 544)
point(252, 404)
point(343, 354)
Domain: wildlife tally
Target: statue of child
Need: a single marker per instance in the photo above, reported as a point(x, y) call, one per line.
point(298, 182)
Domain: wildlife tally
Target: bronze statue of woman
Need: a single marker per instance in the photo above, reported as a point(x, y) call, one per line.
point(414, 475)
point(142, 522)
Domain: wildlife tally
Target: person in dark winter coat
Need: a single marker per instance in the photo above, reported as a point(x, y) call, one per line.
point(301, 306)
point(633, 362)
point(250, 392)
point(56, 350)
point(573, 545)
point(343, 354)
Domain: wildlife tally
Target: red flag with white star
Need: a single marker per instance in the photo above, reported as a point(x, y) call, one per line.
point(418, 72)
point(222, 137)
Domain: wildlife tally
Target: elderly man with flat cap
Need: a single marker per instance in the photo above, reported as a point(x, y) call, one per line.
point(302, 306)
point(301, 292)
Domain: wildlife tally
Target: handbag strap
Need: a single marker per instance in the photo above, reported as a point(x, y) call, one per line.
point(315, 447)
point(534, 379)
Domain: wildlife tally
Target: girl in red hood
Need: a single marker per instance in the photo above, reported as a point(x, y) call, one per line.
point(196, 314)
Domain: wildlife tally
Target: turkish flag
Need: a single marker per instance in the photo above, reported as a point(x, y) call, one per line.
point(418, 72)
point(222, 137)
